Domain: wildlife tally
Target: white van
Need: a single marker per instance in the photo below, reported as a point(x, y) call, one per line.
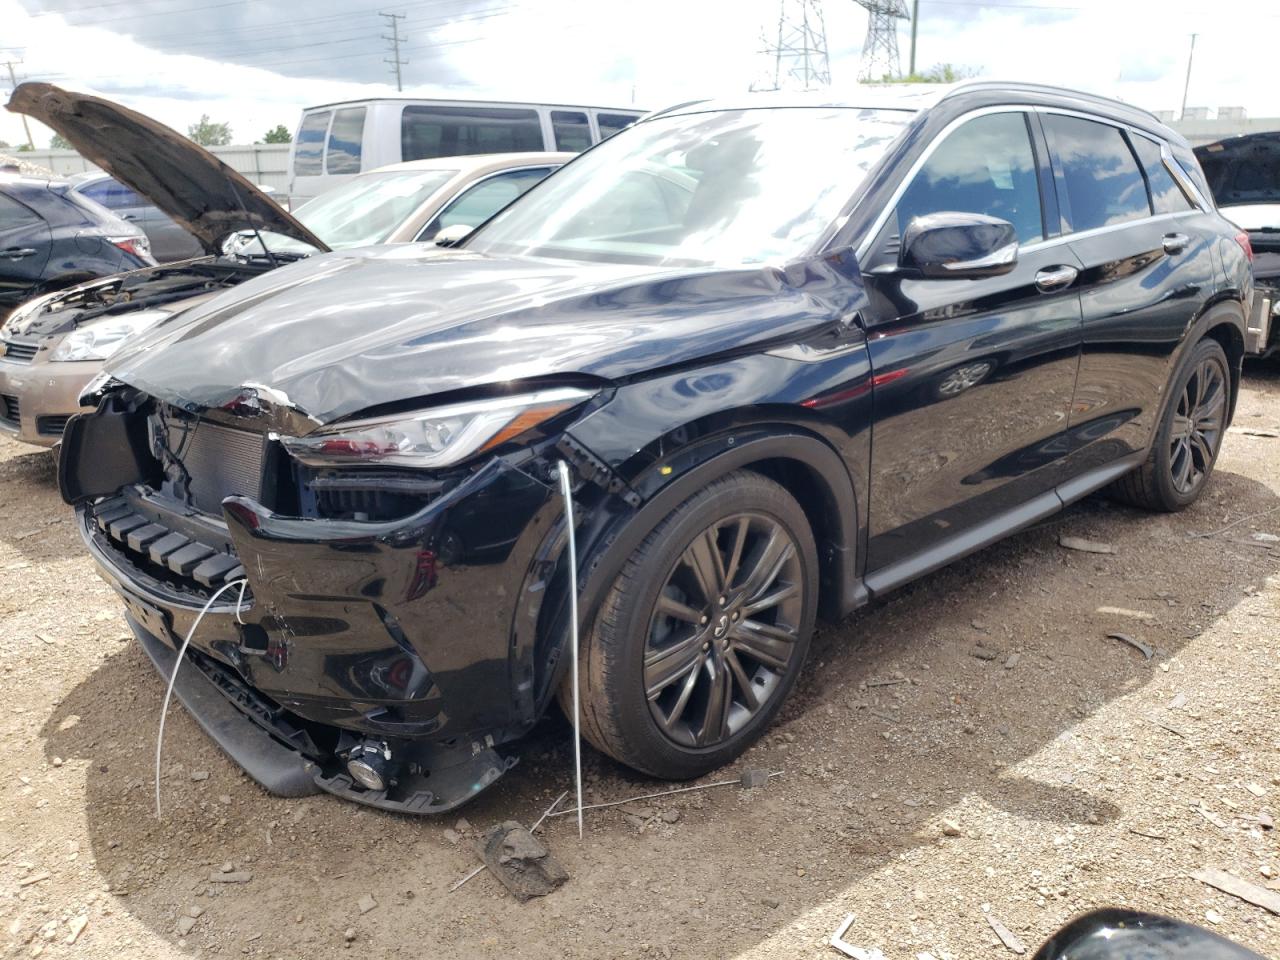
point(336, 141)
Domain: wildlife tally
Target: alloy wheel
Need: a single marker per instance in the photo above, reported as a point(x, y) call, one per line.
point(724, 630)
point(1197, 425)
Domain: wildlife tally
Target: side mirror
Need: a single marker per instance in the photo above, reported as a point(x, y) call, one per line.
point(452, 235)
point(959, 246)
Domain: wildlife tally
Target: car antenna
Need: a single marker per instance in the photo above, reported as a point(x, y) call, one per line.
point(240, 200)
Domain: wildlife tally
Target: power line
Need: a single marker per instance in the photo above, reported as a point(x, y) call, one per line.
point(396, 63)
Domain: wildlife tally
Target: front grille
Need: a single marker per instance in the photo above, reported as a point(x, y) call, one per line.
point(222, 462)
point(151, 546)
point(19, 352)
point(51, 426)
point(9, 410)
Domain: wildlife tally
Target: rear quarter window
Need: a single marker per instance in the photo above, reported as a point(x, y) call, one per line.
point(1166, 195)
point(430, 131)
point(308, 150)
point(1103, 183)
point(14, 214)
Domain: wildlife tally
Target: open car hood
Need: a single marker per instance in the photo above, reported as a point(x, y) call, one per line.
point(180, 177)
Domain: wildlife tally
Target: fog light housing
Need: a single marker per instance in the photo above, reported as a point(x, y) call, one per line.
point(370, 766)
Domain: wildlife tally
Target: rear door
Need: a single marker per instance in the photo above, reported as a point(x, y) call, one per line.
point(25, 242)
point(1147, 270)
point(972, 378)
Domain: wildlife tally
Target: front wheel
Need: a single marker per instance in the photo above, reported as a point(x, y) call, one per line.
point(1189, 436)
point(704, 632)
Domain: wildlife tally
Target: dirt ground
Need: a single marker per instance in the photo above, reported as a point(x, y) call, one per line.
point(1023, 767)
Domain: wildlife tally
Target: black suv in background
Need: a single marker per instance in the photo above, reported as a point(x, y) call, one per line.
point(51, 237)
point(794, 353)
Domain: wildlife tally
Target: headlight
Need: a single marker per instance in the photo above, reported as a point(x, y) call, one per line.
point(98, 340)
point(434, 438)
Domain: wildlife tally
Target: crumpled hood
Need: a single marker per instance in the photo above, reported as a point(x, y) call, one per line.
point(180, 177)
point(338, 334)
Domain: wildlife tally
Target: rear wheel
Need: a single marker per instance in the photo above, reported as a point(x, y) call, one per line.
point(704, 631)
point(1189, 437)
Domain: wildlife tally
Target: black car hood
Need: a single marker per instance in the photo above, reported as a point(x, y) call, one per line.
point(339, 334)
point(183, 179)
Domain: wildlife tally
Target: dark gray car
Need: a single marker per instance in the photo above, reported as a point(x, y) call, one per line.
point(51, 237)
point(169, 241)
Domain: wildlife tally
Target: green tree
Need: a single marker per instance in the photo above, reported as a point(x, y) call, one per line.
point(209, 134)
point(59, 142)
point(4, 144)
point(278, 134)
point(938, 73)
point(24, 148)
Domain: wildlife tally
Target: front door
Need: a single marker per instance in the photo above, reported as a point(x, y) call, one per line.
point(24, 250)
point(973, 379)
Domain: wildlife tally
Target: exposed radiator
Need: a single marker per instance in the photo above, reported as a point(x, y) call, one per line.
point(222, 462)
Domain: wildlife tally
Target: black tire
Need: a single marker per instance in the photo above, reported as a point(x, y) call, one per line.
point(1163, 483)
point(634, 641)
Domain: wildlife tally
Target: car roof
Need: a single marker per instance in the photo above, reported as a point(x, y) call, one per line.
point(913, 97)
point(481, 163)
point(26, 180)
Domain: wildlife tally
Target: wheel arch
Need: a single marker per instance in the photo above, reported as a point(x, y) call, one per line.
point(1223, 320)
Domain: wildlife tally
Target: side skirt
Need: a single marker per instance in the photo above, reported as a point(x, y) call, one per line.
point(997, 528)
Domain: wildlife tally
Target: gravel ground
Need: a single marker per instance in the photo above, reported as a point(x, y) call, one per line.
point(1018, 765)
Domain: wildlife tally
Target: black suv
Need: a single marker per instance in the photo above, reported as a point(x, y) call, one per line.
point(51, 237)
point(793, 353)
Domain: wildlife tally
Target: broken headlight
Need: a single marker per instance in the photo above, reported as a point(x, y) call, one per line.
point(434, 438)
point(97, 341)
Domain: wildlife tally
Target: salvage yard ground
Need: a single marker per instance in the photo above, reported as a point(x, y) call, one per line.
point(1021, 767)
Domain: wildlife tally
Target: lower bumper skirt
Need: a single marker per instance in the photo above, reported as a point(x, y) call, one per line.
point(442, 779)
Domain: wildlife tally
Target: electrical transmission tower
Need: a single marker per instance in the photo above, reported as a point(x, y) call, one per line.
point(797, 48)
point(880, 50)
point(393, 20)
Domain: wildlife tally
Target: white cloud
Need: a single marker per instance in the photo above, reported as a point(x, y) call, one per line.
point(663, 51)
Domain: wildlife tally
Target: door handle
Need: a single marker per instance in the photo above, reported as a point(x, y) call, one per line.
point(17, 253)
point(129, 216)
point(1051, 279)
point(1175, 242)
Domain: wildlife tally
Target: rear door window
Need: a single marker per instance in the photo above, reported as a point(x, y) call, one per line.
point(482, 200)
point(572, 132)
point(1103, 183)
point(345, 140)
point(611, 123)
point(1166, 195)
point(986, 166)
point(113, 195)
point(431, 131)
point(308, 151)
point(14, 214)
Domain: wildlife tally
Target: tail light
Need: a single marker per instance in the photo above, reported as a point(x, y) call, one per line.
point(1242, 238)
point(137, 246)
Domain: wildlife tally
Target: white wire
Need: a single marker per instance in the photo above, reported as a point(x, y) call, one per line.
point(164, 710)
point(566, 491)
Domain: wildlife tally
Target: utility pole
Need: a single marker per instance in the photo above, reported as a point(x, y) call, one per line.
point(393, 19)
point(1187, 86)
point(915, 19)
point(25, 125)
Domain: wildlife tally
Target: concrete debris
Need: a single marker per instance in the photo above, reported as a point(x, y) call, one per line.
point(670, 815)
point(1012, 661)
point(1085, 546)
point(366, 903)
point(1142, 648)
point(185, 925)
point(1006, 936)
point(951, 829)
point(1266, 538)
point(1213, 916)
point(1125, 612)
point(198, 775)
point(848, 949)
point(521, 861)
point(34, 878)
point(1210, 816)
point(1256, 790)
point(983, 653)
point(76, 926)
point(754, 778)
point(195, 912)
point(453, 836)
point(349, 934)
point(1242, 889)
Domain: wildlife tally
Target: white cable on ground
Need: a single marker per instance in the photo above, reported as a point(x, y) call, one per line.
point(566, 491)
point(164, 710)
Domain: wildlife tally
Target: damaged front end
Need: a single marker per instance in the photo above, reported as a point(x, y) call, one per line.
point(382, 619)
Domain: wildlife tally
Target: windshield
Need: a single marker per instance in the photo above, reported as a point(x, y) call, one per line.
point(725, 189)
point(370, 207)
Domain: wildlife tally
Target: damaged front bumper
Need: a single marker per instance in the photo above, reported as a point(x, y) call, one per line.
point(416, 638)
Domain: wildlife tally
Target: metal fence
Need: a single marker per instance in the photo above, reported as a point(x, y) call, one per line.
point(262, 163)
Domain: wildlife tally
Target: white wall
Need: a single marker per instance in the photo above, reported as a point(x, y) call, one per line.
point(265, 163)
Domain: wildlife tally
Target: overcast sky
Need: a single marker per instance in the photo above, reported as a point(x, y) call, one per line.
point(254, 63)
